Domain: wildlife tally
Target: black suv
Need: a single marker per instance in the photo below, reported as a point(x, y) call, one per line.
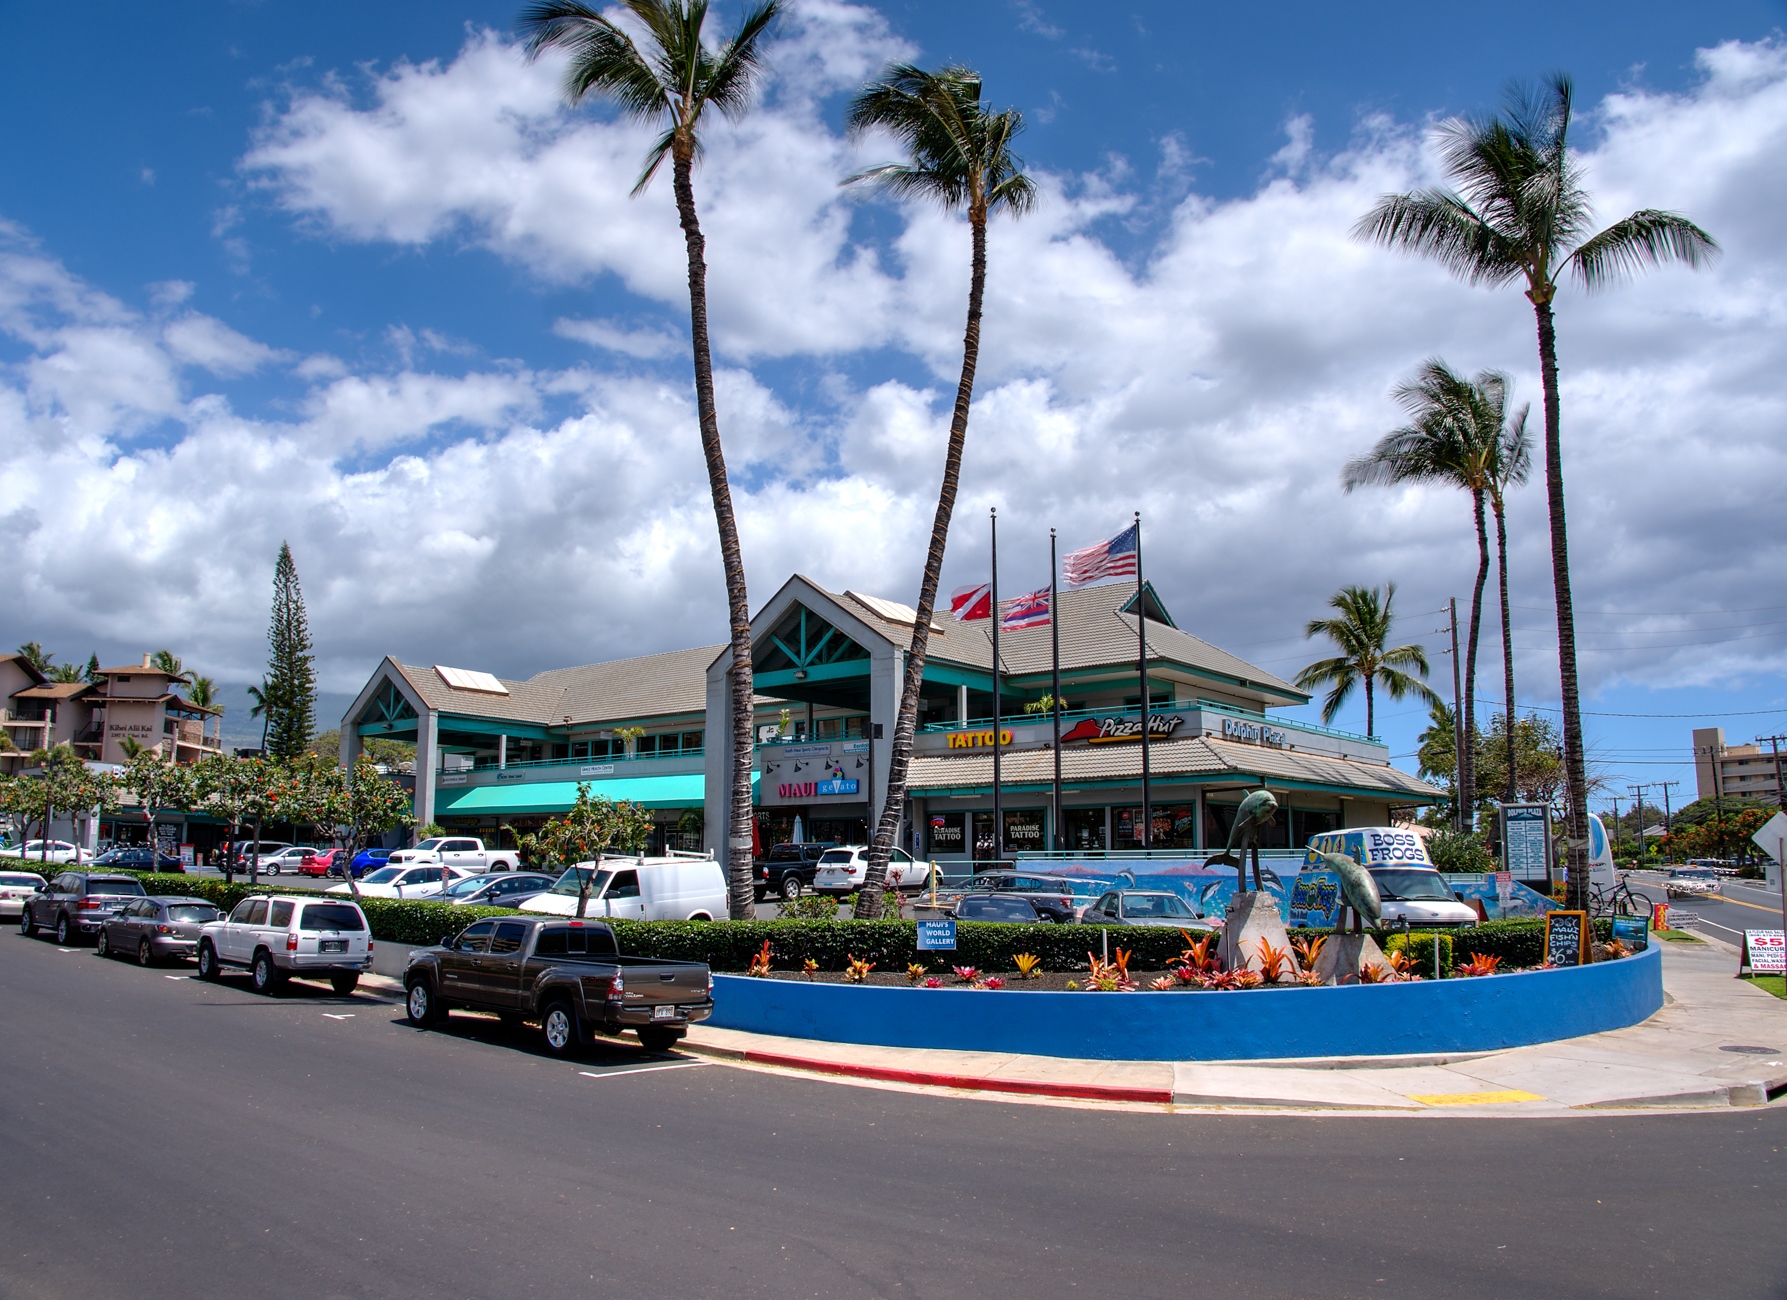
point(787, 869)
point(77, 903)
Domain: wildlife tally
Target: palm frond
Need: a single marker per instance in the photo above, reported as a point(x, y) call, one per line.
point(729, 84)
point(958, 153)
point(1645, 239)
point(1442, 226)
point(1399, 685)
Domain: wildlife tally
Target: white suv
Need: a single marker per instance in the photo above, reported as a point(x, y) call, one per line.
point(276, 937)
point(841, 870)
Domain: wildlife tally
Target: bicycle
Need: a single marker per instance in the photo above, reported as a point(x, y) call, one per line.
point(1621, 900)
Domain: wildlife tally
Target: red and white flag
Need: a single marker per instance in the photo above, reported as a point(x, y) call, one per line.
point(1031, 610)
point(1113, 559)
point(972, 602)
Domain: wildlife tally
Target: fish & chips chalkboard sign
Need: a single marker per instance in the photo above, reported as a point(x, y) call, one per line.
point(1566, 938)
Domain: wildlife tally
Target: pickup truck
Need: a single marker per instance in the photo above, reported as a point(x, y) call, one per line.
point(566, 974)
point(456, 851)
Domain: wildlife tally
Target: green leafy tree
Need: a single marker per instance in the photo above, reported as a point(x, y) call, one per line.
point(288, 698)
point(91, 672)
point(166, 661)
point(672, 82)
point(1520, 215)
point(591, 827)
point(65, 673)
point(202, 691)
point(224, 787)
point(57, 781)
point(363, 802)
point(1458, 436)
point(35, 655)
point(1362, 632)
point(159, 785)
point(959, 157)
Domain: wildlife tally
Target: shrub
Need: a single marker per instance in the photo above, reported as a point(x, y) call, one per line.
point(1418, 944)
point(1459, 851)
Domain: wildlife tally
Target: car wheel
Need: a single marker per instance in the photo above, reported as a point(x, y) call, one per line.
point(64, 931)
point(208, 967)
point(420, 1007)
point(658, 1038)
point(790, 888)
point(272, 868)
point(27, 926)
point(102, 946)
point(345, 984)
point(145, 954)
point(266, 977)
point(559, 1028)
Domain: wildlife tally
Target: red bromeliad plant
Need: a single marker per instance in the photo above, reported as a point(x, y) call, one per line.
point(993, 983)
point(1273, 961)
point(1479, 964)
point(1164, 983)
point(760, 961)
point(858, 970)
point(1197, 955)
point(1309, 951)
point(933, 982)
point(967, 974)
point(1188, 975)
point(1108, 976)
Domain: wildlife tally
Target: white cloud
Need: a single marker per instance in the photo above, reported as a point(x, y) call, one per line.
point(519, 518)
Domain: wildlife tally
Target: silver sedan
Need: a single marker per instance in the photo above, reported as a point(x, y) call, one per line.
point(1147, 907)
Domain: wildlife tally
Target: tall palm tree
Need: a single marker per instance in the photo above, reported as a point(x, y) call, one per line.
point(1520, 214)
point(1362, 632)
point(958, 155)
point(673, 80)
point(1512, 466)
point(202, 691)
point(258, 709)
point(33, 653)
point(1459, 436)
point(166, 661)
point(66, 673)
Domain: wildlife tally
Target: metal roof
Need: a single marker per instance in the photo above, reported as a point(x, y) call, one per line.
point(592, 694)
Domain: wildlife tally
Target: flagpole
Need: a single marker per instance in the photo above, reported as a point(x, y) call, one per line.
point(1141, 626)
point(998, 804)
point(1055, 685)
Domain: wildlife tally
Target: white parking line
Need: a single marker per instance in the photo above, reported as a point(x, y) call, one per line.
point(643, 1069)
point(173, 977)
point(347, 1015)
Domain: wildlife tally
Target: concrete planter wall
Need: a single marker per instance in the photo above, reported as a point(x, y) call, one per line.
point(1456, 1015)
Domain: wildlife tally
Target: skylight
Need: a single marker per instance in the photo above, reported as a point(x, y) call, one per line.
point(465, 679)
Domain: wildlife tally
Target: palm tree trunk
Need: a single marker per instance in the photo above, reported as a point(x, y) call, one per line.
point(868, 898)
point(1370, 719)
point(1501, 547)
point(740, 879)
point(1468, 764)
point(1575, 767)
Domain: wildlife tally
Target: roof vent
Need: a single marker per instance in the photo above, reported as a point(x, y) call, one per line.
point(465, 679)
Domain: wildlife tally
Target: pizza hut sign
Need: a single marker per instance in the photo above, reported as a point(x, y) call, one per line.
point(1254, 733)
point(1106, 731)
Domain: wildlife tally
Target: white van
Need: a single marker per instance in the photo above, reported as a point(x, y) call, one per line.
point(1408, 886)
point(681, 887)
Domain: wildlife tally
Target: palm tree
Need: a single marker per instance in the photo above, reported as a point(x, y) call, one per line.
point(202, 691)
point(166, 661)
point(33, 653)
point(959, 157)
point(673, 81)
point(1361, 632)
point(1460, 437)
point(258, 709)
point(66, 673)
point(1521, 215)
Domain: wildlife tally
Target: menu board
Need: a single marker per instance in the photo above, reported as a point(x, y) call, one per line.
point(1565, 938)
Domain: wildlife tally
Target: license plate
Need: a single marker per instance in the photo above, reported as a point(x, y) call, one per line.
point(332, 945)
point(663, 1013)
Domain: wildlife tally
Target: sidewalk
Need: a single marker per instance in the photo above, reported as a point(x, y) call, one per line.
point(1672, 1061)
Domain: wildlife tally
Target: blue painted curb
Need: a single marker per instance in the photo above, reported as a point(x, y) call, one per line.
point(1455, 1015)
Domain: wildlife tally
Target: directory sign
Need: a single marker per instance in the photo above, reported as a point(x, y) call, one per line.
point(1763, 952)
point(1526, 842)
point(1566, 938)
point(937, 936)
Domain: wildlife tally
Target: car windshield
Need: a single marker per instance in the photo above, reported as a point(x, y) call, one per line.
point(470, 885)
point(384, 875)
point(18, 878)
point(330, 916)
point(1412, 886)
point(192, 912)
point(1698, 873)
point(1142, 905)
point(572, 881)
point(836, 857)
point(430, 844)
point(97, 886)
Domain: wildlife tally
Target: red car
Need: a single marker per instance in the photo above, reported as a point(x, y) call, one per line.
point(318, 864)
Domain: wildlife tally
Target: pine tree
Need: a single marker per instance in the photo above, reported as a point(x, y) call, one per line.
point(291, 672)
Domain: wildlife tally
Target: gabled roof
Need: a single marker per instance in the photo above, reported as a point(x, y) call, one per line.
point(53, 691)
point(29, 668)
point(592, 694)
point(143, 670)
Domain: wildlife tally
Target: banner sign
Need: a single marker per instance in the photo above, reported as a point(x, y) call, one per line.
point(937, 936)
point(1763, 952)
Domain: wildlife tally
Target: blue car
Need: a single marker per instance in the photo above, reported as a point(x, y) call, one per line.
point(365, 860)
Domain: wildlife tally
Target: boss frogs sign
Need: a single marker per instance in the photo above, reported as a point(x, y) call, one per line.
point(1373, 846)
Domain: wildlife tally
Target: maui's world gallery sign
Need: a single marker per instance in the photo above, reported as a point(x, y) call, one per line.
point(1106, 731)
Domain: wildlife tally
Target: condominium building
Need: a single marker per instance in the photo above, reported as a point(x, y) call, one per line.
point(1725, 770)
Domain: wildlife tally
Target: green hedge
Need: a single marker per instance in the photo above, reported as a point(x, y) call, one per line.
point(891, 945)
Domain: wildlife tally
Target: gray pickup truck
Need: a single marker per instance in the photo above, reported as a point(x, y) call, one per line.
point(566, 974)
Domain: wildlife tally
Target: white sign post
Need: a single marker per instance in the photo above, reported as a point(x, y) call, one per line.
point(1772, 840)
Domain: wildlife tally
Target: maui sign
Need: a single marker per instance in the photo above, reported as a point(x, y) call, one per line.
point(1257, 733)
point(815, 789)
point(1106, 731)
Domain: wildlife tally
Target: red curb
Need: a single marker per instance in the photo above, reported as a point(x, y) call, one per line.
point(977, 1083)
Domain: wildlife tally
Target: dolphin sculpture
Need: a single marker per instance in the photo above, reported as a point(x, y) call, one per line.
point(1256, 810)
point(1357, 891)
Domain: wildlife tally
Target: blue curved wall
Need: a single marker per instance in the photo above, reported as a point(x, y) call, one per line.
point(1455, 1015)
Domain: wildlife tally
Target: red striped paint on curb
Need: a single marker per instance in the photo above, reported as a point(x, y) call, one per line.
point(976, 1083)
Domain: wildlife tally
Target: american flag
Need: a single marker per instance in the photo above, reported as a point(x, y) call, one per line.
point(1112, 559)
point(1031, 610)
point(972, 602)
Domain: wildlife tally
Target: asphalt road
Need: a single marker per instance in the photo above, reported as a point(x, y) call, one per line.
point(1740, 905)
point(167, 1137)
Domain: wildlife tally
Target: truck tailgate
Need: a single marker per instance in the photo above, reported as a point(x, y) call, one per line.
point(657, 981)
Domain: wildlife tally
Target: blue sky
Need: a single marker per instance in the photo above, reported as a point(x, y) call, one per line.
point(231, 278)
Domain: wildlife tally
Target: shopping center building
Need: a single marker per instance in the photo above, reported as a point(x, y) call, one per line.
point(827, 670)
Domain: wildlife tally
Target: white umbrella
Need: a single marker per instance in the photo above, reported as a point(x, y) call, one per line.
point(797, 832)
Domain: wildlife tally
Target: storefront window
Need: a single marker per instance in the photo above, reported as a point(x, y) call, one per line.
point(1025, 830)
point(1219, 819)
point(946, 834)
point(984, 848)
point(1126, 828)
point(646, 746)
point(1309, 822)
point(1085, 829)
point(1174, 827)
point(692, 741)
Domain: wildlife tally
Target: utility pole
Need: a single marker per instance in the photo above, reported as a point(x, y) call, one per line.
point(1458, 738)
point(1638, 815)
point(1775, 744)
point(1615, 847)
point(1666, 825)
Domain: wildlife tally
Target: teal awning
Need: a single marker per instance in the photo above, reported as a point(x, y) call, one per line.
point(688, 790)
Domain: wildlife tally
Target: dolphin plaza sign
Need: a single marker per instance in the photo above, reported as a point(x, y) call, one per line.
point(1257, 733)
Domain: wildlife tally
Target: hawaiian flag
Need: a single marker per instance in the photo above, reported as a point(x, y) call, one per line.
point(1113, 559)
point(972, 602)
point(1031, 610)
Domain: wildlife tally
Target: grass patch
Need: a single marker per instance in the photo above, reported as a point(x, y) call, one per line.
point(1775, 984)
point(1678, 936)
